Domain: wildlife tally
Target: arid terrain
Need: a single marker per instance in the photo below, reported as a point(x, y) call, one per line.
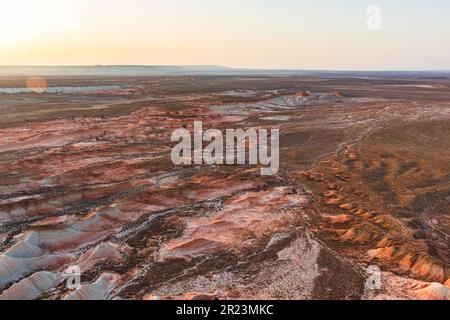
point(86, 180)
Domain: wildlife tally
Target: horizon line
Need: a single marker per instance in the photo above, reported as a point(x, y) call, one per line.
point(228, 67)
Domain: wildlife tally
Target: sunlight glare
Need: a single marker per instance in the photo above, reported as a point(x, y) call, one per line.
point(24, 21)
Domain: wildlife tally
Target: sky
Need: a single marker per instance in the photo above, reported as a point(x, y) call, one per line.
point(271, 34)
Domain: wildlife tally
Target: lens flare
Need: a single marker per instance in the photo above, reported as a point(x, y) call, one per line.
point(37, 84)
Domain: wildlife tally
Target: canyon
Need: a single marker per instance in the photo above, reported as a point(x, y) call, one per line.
point(87, 180)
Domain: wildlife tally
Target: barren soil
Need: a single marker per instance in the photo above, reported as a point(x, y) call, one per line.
point(86, 180)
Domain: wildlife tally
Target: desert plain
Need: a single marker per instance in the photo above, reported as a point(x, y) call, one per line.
point(86, 180)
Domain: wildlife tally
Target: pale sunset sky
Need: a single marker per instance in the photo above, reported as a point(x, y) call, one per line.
point(289, 34)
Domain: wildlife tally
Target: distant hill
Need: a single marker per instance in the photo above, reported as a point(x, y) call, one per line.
point(206, 70)
point(110, 70)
